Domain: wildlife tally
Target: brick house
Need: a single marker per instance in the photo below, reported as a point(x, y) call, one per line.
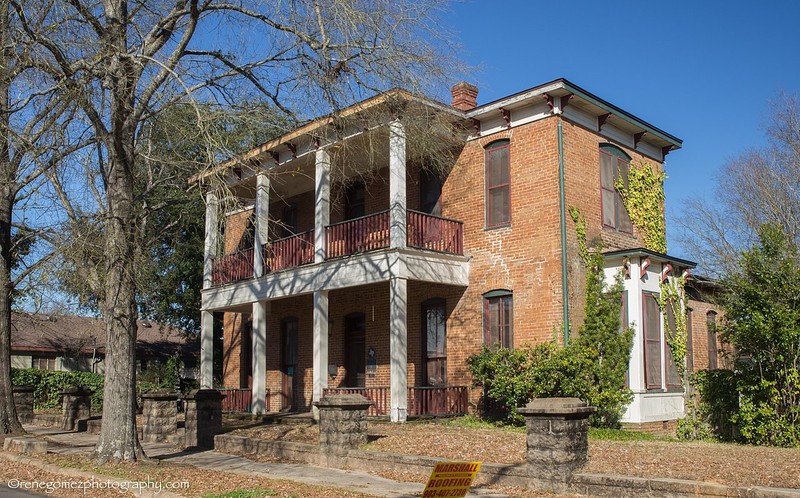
point(376, 272)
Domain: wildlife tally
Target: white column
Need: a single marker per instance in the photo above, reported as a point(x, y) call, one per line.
point(259, 400)
point(398, 347)
point(262, 223)
point(212, 234)
point(322, 202)
point(320, 356)
point(206, 350)
point(397, 185)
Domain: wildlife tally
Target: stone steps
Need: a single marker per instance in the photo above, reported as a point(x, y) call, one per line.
point(25, 445)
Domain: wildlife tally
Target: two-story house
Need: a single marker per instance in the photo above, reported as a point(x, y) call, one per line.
point(344, 254)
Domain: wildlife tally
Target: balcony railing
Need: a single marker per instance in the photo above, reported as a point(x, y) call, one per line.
point(289, 252)
point(434, 233)
point(422, 401)
point(359, 235)
point(232, 267)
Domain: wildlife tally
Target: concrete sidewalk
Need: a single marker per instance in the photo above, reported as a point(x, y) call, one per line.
point(66, 443)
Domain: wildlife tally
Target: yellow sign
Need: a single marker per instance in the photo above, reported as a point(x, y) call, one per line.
point(451, 479)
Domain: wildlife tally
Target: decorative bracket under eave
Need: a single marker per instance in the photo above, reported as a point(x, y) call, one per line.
point(292, 148)
point(565, 100)
point(506, 116)
point(275, 157)
point(643, 267)
point(637, 137)
point(601, 120)
point(665, 272)
point(666, 150)
point(476, 123)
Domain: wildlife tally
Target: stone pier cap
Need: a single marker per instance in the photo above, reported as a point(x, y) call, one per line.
point(344, 401)
point(556, 407)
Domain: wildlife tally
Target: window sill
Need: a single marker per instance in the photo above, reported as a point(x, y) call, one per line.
point(489, 229)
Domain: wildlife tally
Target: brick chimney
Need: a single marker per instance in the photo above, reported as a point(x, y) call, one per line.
point(465, 96)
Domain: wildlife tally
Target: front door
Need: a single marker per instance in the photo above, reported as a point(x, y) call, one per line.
point(355, 350)
point(288, 362)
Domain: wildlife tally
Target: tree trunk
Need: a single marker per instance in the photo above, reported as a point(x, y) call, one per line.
point(118, 439)
point(9, 423)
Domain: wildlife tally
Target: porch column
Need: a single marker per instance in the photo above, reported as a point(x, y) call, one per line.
point(262, 223)
point(320, 357)
point(206, 349)
point(212, 237)
point(398, 351)
point(397, 185)
point(259, 349)
point(322, 203)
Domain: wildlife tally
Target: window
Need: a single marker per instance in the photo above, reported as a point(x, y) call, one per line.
point(689, 342)
point(498, 185)
point(711, 324)
point(498, 319)
point(435, 336)
point(289, 222)
point(673, 379)
point(43, 363)
point(652, 341)
point(354, 200)
point(614, 166)
point(430, 193)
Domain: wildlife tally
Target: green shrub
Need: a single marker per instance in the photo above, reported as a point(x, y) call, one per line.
point(48, 385)
point(512, 377)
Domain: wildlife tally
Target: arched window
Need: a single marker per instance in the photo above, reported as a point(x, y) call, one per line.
point(498, 184)
point(614, 167)
point(498, 318)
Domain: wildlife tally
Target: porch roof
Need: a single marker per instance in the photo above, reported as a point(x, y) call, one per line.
point(656, 256)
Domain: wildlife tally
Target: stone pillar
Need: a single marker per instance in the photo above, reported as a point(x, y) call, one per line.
point(259, 351)
point(397, 185)
point(203, 410)
point(320, 353)
point(398, 348)
point(261, 212)
point(322, 202)
point(206, 349)
point(558, 442)
point(76, 406)
point(23, 401)
point(342, 425)
point(159, 415)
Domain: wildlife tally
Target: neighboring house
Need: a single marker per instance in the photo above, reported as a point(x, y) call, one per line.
point(377, 274)
point(69, 343)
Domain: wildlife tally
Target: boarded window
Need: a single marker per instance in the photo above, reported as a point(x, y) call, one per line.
point(498, 185)
point(435, 320)
point(614, 168)
point(711, 323)
point(498, 319)
point(652, 341)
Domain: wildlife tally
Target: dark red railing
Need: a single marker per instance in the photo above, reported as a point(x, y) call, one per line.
point(421, 400)
point(232, 267)
point(437, 401)
point(239, 400)
point(361, 234)
point(434, 233)
point(289, 252)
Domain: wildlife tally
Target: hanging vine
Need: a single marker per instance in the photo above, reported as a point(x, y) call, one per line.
point(673, 295)
point(644, 200)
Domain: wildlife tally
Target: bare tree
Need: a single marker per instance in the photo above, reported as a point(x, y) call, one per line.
point(125, 62)
point(754, 188)
point(33, 117)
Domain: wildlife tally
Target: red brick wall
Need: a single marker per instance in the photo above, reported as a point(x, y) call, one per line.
point(236, 225)
point(234, 355)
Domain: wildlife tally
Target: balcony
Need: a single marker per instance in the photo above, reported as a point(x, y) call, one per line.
point(365, 234)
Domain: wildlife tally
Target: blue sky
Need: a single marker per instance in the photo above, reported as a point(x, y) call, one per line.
point(703, 71)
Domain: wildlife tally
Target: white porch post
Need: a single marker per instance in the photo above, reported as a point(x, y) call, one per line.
point(322, 203)
point(262, 223)
point(397, 185)
point(211, 239)
point(207, 317)
point(320, 356)
point(259, 400)
point(206, 349)
point(398, 347)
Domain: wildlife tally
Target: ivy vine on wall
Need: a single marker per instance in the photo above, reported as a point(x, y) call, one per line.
point(644, 199)
point(673, 295)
